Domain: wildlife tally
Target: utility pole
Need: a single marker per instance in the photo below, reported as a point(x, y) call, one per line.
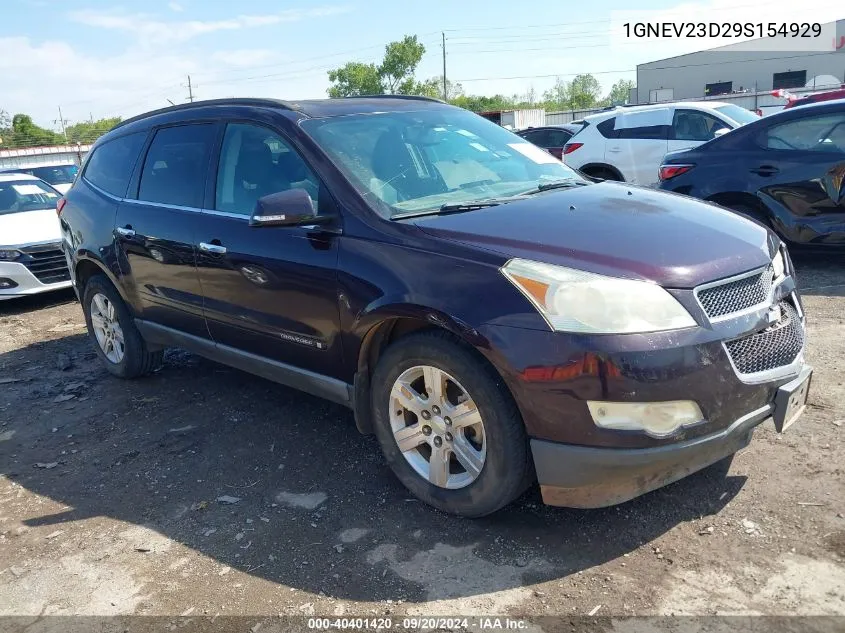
point(190, 90)
point(61, 121)
point(445, 93)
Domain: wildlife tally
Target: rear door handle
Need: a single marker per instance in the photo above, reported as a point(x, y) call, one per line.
point(125, 231)
point(216, 249)
point(765, 170)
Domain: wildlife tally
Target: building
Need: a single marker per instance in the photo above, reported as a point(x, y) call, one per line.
point(38, 156)
point(750, 66)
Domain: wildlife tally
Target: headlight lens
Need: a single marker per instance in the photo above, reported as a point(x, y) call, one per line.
point(8, 255)
point(576, 301)
point(778, 264)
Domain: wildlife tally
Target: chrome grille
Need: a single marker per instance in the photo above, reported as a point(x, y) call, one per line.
point(776, 346)
point(737, 295)
point(47, 262)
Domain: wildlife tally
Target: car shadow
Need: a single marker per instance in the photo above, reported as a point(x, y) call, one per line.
point(31, 303)
point(317, 509)
point(819, 274)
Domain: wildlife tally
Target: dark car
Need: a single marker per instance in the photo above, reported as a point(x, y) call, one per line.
point(786, 170)
point(551, 138)
point(491, 316)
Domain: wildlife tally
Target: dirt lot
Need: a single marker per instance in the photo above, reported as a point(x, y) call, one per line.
point(113, 500)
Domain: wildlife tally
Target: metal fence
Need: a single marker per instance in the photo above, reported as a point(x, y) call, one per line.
point(38, 156)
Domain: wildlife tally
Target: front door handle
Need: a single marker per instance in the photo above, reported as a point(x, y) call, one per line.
point(216, 249)
point(125, 231)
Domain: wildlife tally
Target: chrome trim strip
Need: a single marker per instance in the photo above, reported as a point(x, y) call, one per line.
point(161, 205)
point(57, 244)
point(102, 191)
point(721, 282)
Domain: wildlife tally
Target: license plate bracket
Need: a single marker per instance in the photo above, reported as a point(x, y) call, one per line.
point(791, 400)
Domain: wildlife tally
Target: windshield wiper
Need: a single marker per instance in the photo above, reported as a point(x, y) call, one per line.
point(559, 184)
point(450, 208)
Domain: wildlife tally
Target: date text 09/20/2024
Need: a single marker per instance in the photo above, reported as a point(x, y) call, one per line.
point(419, 623)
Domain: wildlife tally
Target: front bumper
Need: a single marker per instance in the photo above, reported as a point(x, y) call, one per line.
point(27, 283)
point(585, 477)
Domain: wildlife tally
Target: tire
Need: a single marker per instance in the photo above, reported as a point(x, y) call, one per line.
point(751, 213)
point(604, 174)
point(506, 468)
point(136, 360)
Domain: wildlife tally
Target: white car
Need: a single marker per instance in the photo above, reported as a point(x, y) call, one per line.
point(31, 256)
point(59, 176)
point(628, 143)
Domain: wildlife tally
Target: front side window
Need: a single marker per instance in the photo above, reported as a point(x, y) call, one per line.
point(558, 138)
point(420, 160)
point(176, 165)
point(57, 175)
point(26, 195)
point(110, 166)
point(255, 162)
point(818, 134)
point(690, 125)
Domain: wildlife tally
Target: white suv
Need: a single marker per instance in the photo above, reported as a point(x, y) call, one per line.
point(628, 143)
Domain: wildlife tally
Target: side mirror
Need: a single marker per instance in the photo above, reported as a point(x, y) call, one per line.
point(721, 131)
point(292, 207)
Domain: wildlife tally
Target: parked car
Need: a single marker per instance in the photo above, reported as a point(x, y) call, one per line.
point(786, 171)
point(551, 138)
point(628, 143)
point(818, 97)
point(488, 313)
point(31, 258)
point(60, 177)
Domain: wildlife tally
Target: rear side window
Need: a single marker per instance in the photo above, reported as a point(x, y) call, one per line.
point(607, 128)
point(691, 125)
point(660, 132)
point(558, 138)
point(110, 166)
point(818, 134)
point(176, 164)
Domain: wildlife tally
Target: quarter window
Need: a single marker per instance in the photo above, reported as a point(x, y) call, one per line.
point(817, 134)
point(110, 165)
point(255, 162)
point(176, 165)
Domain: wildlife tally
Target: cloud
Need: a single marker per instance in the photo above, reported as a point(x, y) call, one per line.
point(175, 6)
point(153, 31)
point(245, 57)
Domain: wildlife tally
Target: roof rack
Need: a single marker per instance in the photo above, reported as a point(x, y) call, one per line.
point(270, 103)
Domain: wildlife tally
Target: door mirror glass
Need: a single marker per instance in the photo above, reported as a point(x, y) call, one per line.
point(721, 131)
point(292, 207)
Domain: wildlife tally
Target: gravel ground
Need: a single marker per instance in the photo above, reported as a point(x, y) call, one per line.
point(203, 491)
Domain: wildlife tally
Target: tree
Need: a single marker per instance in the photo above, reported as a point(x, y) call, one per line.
point(395, 74)
point(584, 92)
point(531, 95)
point(5, 129)
point(558, 96)
point(26, 134)
point(355, 79)
point(620, 92)
point(90, 131)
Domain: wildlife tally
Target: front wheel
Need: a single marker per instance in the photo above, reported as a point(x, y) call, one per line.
point(118, 342)
point(448, 427)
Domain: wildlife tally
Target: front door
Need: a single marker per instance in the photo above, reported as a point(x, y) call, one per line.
point(270, 291)
point(156, 228)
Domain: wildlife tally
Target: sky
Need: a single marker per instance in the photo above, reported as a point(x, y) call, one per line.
point(100, 58)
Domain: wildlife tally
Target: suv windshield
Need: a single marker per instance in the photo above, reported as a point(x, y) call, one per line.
point(413, 161)
point(740, 115)
point(26, 195)
point(55, 175)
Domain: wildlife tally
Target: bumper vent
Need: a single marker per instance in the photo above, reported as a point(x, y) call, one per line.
point(47, 262)
point(737, 295)
point(774, 347)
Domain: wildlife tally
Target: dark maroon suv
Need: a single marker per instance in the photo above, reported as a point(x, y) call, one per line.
point(494, 318)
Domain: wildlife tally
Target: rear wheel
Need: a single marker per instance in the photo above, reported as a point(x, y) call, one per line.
point(604, 173)
point(118, 342)
point(447, 426)
point(751, 213)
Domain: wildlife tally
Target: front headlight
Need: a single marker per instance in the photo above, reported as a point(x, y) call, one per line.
point(576, 301)
point(8, 255)
point(778, 265)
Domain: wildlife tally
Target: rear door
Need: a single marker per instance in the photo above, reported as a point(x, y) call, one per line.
point(156, 227)
point(270, 291)
point(802, 169)
point(640, 143)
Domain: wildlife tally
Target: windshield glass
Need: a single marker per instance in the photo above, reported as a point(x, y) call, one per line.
point(55, 175)
point(26, 195)
point(740, 115)
point(405, 162)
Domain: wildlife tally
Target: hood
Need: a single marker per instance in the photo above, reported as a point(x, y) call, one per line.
point(616, 229)
point(29, 227)
point(63, 188)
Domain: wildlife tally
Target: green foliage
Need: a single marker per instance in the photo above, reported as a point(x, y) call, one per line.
point(395, 74)
point(24, 133)
point(90, 131)
point(620, 91)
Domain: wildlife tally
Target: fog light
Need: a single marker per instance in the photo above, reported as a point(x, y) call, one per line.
point(6, 283)
point(657, 419)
